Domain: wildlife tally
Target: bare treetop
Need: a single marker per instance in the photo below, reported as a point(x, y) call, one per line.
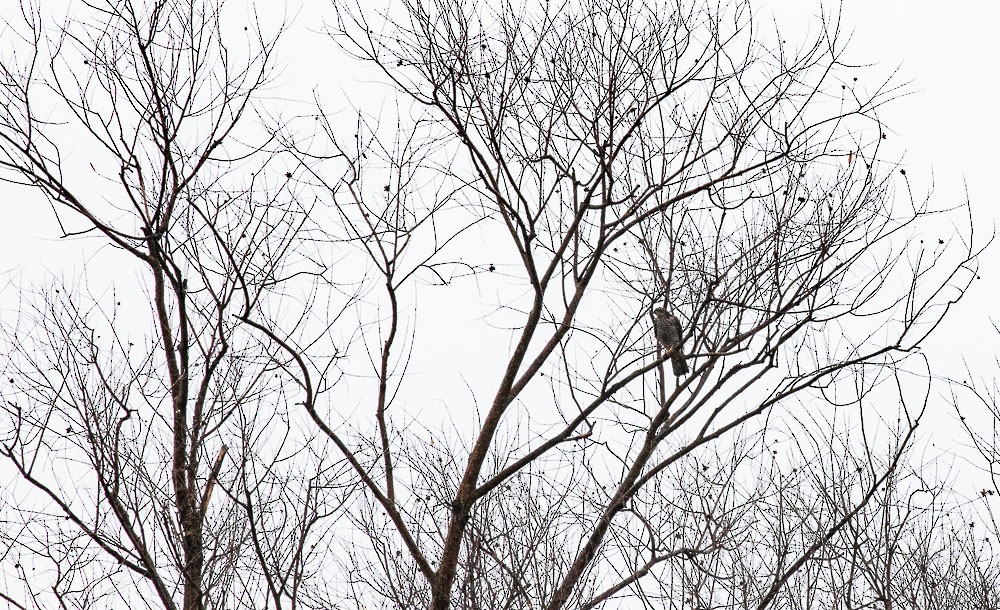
point(663, 182)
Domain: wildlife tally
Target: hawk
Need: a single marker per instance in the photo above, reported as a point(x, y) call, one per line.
point(668, 332)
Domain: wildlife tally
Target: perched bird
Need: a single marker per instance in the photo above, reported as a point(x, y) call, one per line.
point(668, 332)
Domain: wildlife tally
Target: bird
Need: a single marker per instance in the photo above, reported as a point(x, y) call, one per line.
point(667, 329)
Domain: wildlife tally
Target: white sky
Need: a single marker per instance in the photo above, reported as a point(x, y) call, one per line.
point(946, 127)
point(946, 133)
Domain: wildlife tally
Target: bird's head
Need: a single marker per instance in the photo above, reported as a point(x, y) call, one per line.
point(659, 312)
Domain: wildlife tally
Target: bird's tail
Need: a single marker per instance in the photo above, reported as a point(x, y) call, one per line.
point(680, 365)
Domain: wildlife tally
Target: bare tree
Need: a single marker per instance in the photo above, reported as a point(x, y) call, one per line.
point(151, 427)
point(627, 155)
point(976, 403)
point(615, 156)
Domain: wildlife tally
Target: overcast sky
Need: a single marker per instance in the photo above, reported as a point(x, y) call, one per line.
point(948, 53)
point(945, 126)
